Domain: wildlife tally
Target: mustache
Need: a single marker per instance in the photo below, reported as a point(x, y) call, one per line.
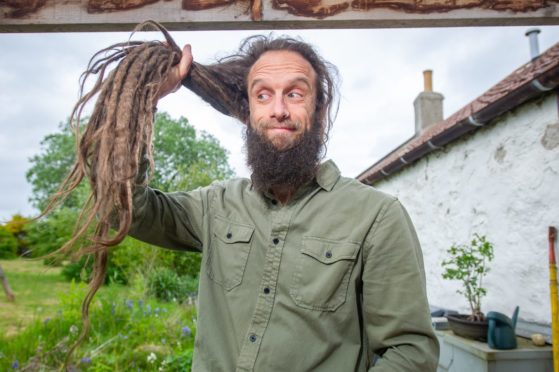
point(270, 124)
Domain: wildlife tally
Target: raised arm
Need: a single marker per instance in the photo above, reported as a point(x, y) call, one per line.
point(169, 220)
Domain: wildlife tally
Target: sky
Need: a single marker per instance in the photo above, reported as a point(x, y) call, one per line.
point(380, 74)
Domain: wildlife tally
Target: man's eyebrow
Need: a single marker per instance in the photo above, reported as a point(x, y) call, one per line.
point(303, 80)
point(254, 82)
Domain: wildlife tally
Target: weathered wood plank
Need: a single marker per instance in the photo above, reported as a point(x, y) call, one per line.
point(6, 286)
point(118, 15)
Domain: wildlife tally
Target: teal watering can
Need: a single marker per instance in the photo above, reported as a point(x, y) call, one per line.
point(500, 331)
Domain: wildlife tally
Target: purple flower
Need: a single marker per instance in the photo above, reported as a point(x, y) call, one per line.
point(86, 360)
point(15, 365)
point(46, 321)
point(140, 303)
point(185, 331)
point(113, 308)
point(129, 304)
point(148, 309)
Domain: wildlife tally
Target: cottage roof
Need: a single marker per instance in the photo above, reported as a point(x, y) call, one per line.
point(528, 81)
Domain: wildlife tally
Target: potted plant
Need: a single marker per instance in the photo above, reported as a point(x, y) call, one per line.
point(469, 264)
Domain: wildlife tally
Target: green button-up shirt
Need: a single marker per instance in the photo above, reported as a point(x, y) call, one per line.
point(320, 284)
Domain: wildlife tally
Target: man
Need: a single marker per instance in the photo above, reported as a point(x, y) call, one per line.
point(302, 269)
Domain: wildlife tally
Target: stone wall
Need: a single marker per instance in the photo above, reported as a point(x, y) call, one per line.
point(502, 182)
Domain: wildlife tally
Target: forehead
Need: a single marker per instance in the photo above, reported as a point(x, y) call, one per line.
point(281, 64)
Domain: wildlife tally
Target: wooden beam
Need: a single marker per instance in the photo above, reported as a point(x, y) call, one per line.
point(123, 15)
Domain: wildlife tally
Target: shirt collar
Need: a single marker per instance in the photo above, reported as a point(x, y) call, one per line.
point(327, 175)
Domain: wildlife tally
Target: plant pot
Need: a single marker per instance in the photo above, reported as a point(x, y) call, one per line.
point(462, 326)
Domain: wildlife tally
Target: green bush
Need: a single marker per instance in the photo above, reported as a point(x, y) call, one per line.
point(132, 257)
point(127, 333)
point(8, 243)
point(179, 361)
point(16, 226)
point(190, 285)
point(49, 234)
point(166, 285)
point(125, 260)
point(181, 262)
point(81, 270)
point(186, 263)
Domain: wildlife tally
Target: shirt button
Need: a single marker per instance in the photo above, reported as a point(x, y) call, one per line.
point(229, 235)
point(266, 290)
point(275, 241)
point(252, 338)
point(328, 254)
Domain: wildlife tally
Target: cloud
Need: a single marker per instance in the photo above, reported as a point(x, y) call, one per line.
point(380, 70)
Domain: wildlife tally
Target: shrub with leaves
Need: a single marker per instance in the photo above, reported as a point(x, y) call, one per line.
point(81, 271)
point(8, 243)
point(46, 235)
point(164, 284)
point(17, 226)
point(183, 263)
point(130, 333)
point(469, 265)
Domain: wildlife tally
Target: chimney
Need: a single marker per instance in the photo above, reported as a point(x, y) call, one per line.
point(534, 46)
point(428, 105)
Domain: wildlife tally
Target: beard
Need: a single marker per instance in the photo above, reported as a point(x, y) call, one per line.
point(288, 168)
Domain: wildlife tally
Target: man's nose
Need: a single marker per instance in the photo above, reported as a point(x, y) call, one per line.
point(279, 110)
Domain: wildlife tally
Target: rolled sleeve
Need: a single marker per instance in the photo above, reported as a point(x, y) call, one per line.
point(396, 311)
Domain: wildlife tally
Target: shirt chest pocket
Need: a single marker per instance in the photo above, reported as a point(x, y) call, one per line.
point(321, 277)
point(229, 250)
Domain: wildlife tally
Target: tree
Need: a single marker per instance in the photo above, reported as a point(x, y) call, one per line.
point(17, 226)
point(48, 234)
point(51, 166)
point(8, 243)
point(184, 159)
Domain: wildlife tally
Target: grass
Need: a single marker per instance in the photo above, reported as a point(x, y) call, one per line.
point(37, 289)
point(129, 331)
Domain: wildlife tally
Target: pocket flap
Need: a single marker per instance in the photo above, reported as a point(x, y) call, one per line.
point(232, 232)
point(328, 251)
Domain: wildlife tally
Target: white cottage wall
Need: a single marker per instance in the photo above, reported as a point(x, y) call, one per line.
point(503, 182)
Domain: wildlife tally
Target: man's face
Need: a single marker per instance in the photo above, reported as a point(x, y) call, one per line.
point(282, 97)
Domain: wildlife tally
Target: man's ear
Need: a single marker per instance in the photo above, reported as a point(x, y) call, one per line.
point(246, 118)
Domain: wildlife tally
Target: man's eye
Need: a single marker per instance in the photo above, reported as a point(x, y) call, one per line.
point(295, 95)
point(262, 96)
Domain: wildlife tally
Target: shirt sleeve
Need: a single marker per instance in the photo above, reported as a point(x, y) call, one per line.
point(396, 312)
point(169, 220)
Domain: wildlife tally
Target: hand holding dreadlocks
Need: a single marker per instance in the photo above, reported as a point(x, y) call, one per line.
point(173, 81)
